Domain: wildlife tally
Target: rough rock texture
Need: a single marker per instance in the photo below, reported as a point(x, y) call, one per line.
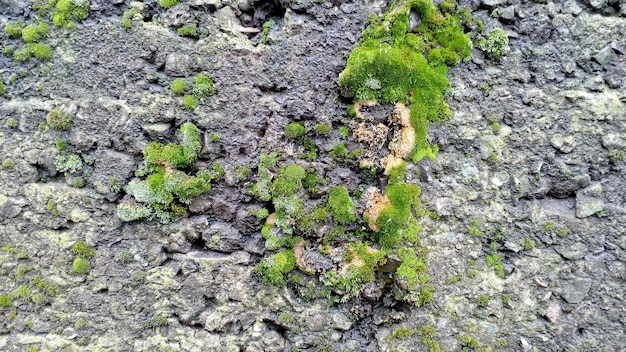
point(531, 160)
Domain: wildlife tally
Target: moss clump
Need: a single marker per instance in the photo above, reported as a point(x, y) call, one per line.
point(401, 333)
point(412, 269)
point(127, 17)
point(41, 52)
point(339, 151)
point(496, 45)
point(493, 260)
point(323, 129)
point(190, 30)
point(288, 181)
point(358, 268)
point(273, 269)
point(190, 102)
point(203, 86)
point(83, 250)
point(14, 31)
point(156, 195)
point(22, 292)
point(59, 119)
point(403, 197)
point(166, 4)
point(340, 205)
point(67, 11)
point(5, 301)
point(179, 86)
point(8, 164)
point(80, 266)
point(30, 34)
point(1, 93)
point(68, 163)
point(45, 287)
point(294, 130)
point(267, 26)
point(392, 65)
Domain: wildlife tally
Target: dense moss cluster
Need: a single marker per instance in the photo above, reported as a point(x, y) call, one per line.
point(166, 186)
point(394, 63)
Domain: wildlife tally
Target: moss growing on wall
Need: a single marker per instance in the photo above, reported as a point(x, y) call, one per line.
point(166, 184)
point(391, 64)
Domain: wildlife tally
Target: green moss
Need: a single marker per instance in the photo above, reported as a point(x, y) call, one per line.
point(42, 52)
point(8, 164)
point(273, 269)
point(203, 86)
point(30, 34)
point(214, 137)
point(179, 86)
point(68, 163)
point(528, 244)
point(288, 181)
point(22, 292)
point(159, 320)
point(45, 287)
point(164, 183)
point(496, 44)
point(389, 65)
point(13, 31)
point(401, 333)
point(468, 341)
point(493, 260)
point(166, 4)
point(482, 300)
point(339, 151)
point(340, 205)
point(344, 132)
point(5, 301)
point(127, 17)
point(474, 229)
point(294, 130)
point(67, 11)
point(323, 129)
point(365, 261)
point(412, 268)
point(190, 30)
point(83, 250)
point(403, 197)
point(39, 298)
point(267, 25)
point(190, 102)
point(59, 119)
point(426, 295)
point(80, 266)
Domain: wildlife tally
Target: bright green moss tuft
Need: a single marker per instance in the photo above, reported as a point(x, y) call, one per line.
point(190, 102)
point(340, 205)
point(389, 65)
point(83, 250)
point(165, 184)
point(80, 266)
point(22, 292)
point(288, 181)
point(339, 151)
point(190, 30)
point(273, 269)
point(13, 31)
point(127, 17)
point(179, 86)
point(5, 301)
point(166, 4)
point(412, 269)
point(323, 129)
point(40, 51)
point(30, 34)
point(362, 261)
point(294, 130)
point(67, 11)
point(203, 86)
